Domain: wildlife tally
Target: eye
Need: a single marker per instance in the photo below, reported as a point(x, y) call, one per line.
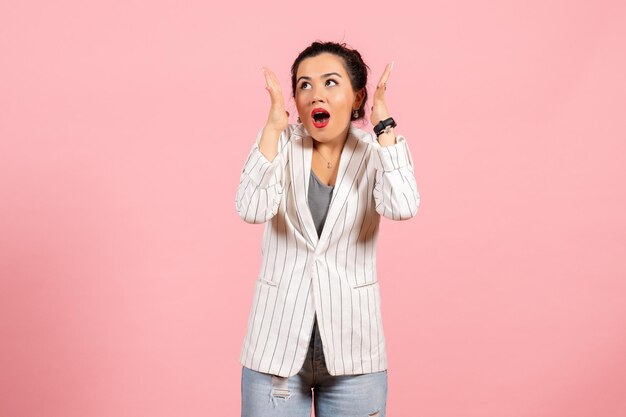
point(304, 86)
point(330, 82)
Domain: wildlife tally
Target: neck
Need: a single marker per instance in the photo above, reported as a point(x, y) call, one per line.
point(332, 147)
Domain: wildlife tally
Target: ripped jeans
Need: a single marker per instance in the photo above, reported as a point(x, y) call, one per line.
point(266, 395)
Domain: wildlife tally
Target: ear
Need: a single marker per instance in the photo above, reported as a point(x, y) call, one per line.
point(358, 98)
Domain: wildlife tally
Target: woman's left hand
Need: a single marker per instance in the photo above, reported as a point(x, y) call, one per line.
point(379, 107)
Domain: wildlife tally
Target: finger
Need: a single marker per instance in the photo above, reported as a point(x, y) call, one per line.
point(272, 88)
point(267, 76)
point(277, 94)
point(270, 77)
point(379, 95)
point(383, 79)
point(276, 83)
point(270, 82)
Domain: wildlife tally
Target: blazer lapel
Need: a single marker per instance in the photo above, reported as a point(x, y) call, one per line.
point(301, 155)
point(352, 160)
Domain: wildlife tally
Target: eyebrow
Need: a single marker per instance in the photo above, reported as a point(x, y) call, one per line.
point(322, 76)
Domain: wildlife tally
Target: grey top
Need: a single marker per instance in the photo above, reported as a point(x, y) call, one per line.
point(319, 201)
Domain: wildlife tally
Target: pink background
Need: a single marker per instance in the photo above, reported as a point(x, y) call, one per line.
point(126, 274)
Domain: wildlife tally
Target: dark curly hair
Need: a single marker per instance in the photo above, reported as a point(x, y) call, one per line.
point(355, 67)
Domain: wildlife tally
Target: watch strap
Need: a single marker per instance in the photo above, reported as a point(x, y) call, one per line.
point(383, 125)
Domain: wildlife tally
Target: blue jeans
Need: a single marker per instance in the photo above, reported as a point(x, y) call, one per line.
point(266, 395)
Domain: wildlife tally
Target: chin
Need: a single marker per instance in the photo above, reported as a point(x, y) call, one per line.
point(326, 134)
point(321, 136)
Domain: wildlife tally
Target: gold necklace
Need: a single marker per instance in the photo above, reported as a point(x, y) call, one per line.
point(328, 164)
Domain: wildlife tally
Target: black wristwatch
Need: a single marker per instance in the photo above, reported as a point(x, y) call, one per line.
point(383, 126)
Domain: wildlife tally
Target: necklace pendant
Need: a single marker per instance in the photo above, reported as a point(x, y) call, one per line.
point(329, 165)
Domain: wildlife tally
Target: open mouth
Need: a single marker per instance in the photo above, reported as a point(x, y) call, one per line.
point(320, 117)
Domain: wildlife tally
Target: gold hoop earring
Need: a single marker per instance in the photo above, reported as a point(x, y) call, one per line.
point(355, 114)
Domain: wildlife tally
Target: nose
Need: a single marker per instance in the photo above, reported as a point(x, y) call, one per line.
point(317, 97)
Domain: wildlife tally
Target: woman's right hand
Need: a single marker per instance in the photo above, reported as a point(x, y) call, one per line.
point(278, 118)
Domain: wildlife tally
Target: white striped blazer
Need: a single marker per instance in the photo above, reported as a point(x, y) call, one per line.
point(333, 276)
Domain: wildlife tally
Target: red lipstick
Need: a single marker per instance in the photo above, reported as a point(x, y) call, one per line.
point(320, 117)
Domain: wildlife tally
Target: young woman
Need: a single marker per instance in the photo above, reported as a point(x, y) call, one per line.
point(320, 186)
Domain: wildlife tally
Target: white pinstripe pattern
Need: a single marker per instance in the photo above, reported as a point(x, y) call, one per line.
point(333, 276)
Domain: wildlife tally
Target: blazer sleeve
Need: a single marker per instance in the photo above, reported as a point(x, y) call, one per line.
point(395, 190)
point(261, 183)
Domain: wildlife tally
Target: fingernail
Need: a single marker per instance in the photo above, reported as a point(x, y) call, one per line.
point(392, 64)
